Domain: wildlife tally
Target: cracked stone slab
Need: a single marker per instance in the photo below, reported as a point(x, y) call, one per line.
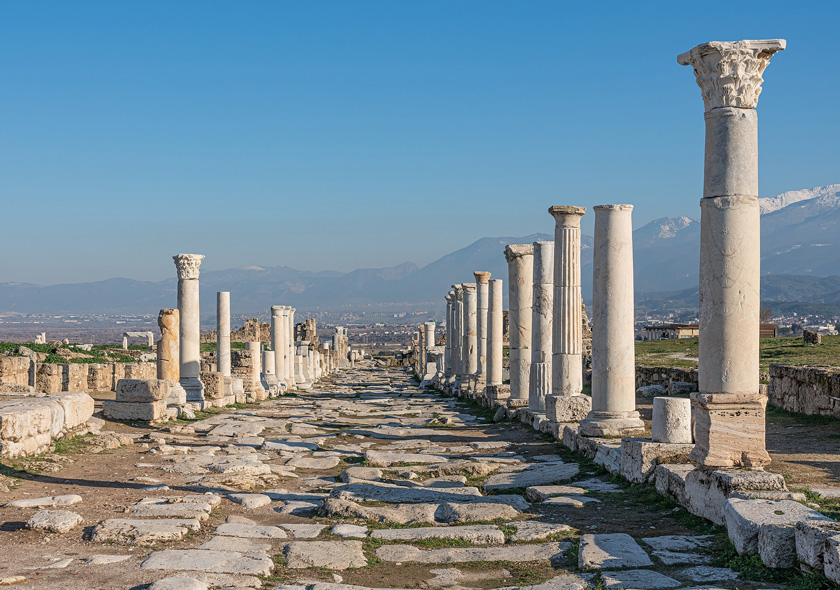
point(678, 542)
point(394, 494)
point(250, 531)
point(143, 532)
point(598, 485)
point(611, 551)
point(314, 462)
point(350, 531)
point(531, 530)
point(389, 458)
point(336, 555)
point(516, 553)
point(223, 562)
point(535, 475)
point(677, 558)
point(250, 501)
point(542, 493)
point(304, 531)
point(561, 582)
point(476, 534)
point(637, 580)
point(704, 573)
point(237, 544)
point(195, 510)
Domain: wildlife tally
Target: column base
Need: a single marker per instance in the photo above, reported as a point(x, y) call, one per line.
point(567, 408)
point(496, 393)
point(609, 424)
point(194, 388)
point(729, 430)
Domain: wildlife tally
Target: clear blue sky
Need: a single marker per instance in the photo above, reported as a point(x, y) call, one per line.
point(339, 134)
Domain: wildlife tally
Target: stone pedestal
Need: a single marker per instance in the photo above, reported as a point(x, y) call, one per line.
point(671, 421)
point(495, 329)
point(542, 312)
point(223, 333)
point(613, 331)
point(567, 328)
point(482, 286)
point(187, 266)
point(520, 259)
point(729, 410)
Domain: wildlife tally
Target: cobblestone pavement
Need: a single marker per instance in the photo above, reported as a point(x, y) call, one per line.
point(364, 480)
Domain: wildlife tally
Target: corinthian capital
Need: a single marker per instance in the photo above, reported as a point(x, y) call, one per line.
point(729, 73)
point(187, 265)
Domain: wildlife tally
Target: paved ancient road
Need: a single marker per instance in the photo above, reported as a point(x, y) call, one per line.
point(366, 480)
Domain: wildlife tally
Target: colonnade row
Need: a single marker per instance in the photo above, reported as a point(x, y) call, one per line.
point(545, 346)
point(255, 373)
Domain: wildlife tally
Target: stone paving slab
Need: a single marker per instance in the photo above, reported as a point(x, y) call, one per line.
point(637, 580)
point(535, 475)
point(250, 531)
point(613, 550)
point(477, 534)
point(143, 532)
point(336, 555)
point(516, 553)
point(225, 562)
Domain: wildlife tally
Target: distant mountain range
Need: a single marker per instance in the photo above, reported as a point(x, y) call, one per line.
point(800, 236)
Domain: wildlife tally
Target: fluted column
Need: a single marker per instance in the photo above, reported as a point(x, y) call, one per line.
point(223, 333)
point(567, 402)
point(187, 266)
point(520, 259)
point(613, 330)
point(495, 333)
point(482, 286)
point(542, 312)
point(729, 410)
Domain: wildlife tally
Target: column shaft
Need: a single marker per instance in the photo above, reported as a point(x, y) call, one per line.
point(613, 330)
point(223, 333)
point(520, 259)
point(470, 329)
point(495, 329)
point(187, 266)
point(542, 318)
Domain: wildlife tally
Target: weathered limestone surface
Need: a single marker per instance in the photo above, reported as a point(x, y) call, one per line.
point(811, 390)
point(29, 425)
point(187, 266)
point(495, 329)
point(542, 320)
point(672, 420)
point(520, 259)
point(613, 330)
point(482, 281)
point(729, 409)
point(223, 333)
point(168, 363)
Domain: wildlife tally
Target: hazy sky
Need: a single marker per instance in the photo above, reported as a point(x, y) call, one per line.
point(346, 134)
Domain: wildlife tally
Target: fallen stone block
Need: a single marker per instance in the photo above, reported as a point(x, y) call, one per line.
point(46, 502)
point(535, 475)
point(707, 491)
point(142, 390)
point(745, 517)
point(134, 411)
point(810, 541)
point(54, 521)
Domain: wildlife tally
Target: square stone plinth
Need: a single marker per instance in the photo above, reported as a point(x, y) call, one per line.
point(639, 457)
point(729, 430)
point(567, 408)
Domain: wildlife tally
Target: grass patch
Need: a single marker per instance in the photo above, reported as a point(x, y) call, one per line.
point(774, 413)
point(72, 445)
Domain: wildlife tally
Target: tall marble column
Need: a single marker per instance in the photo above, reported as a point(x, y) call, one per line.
point(470, 330)
point(223, 333)
point(729, 410)
point(495, 334)
point(187, 266)
point(482, 286)
point(447, 355)
point(567, 402)
point(520, 259)
point(278, 343)
point(542, 318)
point(613, 330)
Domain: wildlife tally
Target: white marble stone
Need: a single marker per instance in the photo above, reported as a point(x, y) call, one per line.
point(613, 331)
point(187, 266)
point(520, 259)
point(542, 320)
point(671, 420)
point(223, 333)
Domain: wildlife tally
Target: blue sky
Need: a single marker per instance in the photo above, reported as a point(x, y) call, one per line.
point(338, 135)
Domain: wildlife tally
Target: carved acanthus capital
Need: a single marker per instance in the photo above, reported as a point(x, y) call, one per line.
point(187, 265)
point(729, 74)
